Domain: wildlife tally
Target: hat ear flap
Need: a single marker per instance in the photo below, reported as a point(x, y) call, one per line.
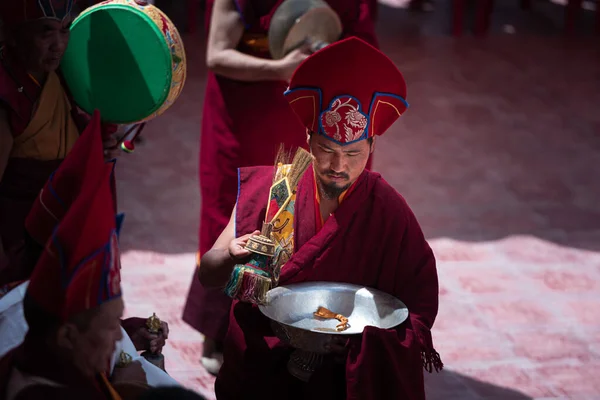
point(306, 103)
point(385, 109)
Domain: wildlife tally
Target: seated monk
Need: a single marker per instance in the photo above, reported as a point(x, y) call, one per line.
point(39, 124)
point(344, 224)
point(82, 166)
point(73, 307)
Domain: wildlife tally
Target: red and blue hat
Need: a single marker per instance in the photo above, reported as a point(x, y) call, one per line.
point(348, 91)
point(80, 267)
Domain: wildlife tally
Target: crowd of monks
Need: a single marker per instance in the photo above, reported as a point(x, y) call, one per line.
point(62, 331)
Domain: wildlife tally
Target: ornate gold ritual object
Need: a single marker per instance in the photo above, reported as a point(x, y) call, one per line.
point(153, 323)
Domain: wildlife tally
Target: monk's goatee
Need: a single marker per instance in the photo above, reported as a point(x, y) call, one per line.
point(331, 191)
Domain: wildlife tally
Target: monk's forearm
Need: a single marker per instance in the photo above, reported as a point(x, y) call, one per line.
point(215, 268)
point(236, 65)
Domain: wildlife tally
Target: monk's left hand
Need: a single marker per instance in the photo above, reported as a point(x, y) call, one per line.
point(338, 346)
point(142, 338)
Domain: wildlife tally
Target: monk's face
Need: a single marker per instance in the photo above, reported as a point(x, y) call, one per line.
point(336, 166)
point(91, 346)
point(41, 44)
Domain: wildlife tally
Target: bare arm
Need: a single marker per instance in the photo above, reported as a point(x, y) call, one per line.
point(217, 264)
point(226, 30)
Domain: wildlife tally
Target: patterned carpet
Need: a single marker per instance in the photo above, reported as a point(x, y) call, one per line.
point(499, 156)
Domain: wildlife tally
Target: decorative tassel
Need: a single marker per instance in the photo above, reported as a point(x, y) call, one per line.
point(432, 360)
point(233, 286)
point(254, 288)
point(248, 284)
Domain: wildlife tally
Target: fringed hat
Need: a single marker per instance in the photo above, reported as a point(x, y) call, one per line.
point(16, 12)
point(80, 267)
point(84, 162)
point(348, 91)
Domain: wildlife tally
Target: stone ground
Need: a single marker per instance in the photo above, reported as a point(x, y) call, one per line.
point(499, 156)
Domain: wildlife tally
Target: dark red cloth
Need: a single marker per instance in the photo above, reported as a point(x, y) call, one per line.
point(372, 239)
point(84, 162)
point(20, 185)
point(80, 266)
point(18, 92)
point(243, 124)
point(34, 358)
point(23, 178)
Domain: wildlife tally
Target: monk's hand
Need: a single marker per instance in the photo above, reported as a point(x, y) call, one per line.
point(142, 338)
point(133, 372)
point(237, 247)
point(338, 347)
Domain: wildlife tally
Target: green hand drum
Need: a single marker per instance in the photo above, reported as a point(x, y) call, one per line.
point(126, 59)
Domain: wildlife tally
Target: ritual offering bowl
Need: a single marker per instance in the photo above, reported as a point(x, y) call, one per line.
point(307, 316)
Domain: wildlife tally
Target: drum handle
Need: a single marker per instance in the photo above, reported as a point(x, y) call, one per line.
point(128, 146)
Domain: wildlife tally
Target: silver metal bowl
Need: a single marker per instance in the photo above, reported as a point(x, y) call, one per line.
point(291, 308)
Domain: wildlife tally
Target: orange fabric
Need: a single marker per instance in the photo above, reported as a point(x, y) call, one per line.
point(52, 132)
point(113, 393)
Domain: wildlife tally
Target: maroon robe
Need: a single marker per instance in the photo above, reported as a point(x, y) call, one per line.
point(242, 125)
point(23, 178)
point(372, 239)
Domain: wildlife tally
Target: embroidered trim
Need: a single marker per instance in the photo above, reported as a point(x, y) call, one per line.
point(316, 107)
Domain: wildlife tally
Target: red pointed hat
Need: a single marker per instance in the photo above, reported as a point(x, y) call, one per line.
point(84, 162)
point(80, 267)
point(348, 91)
point(15, 12)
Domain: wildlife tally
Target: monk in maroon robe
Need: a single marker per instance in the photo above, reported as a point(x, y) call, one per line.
point(39, 123)
point(244, 119)
point(73, 307)
point(349, 225)
point(81, 167)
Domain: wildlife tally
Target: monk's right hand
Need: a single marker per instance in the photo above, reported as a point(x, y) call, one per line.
point(237, 247)
point(289, 63)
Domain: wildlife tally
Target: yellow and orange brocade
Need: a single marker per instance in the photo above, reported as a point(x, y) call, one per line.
point(52, 132)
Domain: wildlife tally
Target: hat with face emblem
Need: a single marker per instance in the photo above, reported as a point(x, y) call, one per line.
point(80, 267)
point(15, 12)
point(85, 162)
point(348, 91)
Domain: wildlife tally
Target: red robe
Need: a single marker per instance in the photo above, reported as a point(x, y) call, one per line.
point(242, 125)
point(23, 178)
point(372, 239)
